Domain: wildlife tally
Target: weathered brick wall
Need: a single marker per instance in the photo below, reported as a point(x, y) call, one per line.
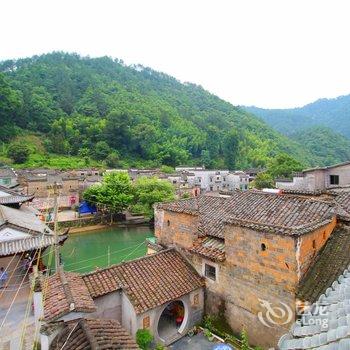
point(175, 228)
point(310, 244)
point(259, 267)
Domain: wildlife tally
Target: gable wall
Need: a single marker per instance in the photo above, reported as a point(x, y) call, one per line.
point(173, 228)
point(306, 252)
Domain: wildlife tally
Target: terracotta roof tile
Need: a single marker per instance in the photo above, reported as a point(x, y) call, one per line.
point(262, 211)
point(66, 292)
point(211, 248)
point(149, 281)
point(89, 334)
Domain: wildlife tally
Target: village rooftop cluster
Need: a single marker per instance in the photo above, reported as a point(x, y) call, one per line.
point(225, 251)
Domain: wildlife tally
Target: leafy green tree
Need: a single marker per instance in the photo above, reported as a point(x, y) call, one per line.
point(112, 159)
point(18, 152)
point(149, 191)
point(230, 148)
point(283, 165)
point(263, 180)
point(10, 106)
point(101, 150)
point(115, 193)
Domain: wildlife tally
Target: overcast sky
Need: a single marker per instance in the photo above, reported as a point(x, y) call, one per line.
point(269, 53)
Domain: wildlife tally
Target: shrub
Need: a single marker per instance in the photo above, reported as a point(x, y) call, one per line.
point(18, 152)
point(144, 338)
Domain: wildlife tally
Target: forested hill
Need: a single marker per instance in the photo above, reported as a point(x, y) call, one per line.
point(99, 109)
point(333, 113)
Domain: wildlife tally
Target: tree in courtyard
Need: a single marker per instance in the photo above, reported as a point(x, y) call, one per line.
point(283, 165)
point(263, 180)
point(114, 194)
point(149, 191)
point(18, 152)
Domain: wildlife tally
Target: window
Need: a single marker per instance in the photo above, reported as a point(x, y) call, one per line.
point(314, 244)
point(334, 179)
point(146, 322)
point(211, 188)
point(263, 247)
point(324, 235)
point(168, 222)
point(210, 272)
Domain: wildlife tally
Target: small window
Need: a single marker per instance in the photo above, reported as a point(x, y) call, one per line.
point(334, 179)
point(196, 300)
point(314, 244)
point(287, 266)
point(263, 247)
point(210, 272)
point(146, 322)
point(211, 188)
point(168, 222)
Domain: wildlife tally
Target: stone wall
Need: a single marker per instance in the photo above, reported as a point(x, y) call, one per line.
point(175, 228)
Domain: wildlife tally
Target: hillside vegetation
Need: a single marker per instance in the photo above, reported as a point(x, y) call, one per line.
point(88, 110)
point(332, 113)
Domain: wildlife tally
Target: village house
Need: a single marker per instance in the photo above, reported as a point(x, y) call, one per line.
point(39, 182)
point(318, 179)
point(161, 292)
point(8, 177)
point(256, 249)
point(211, 180)
point(22, 233)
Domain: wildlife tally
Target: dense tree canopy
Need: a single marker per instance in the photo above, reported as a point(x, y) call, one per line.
point(117, 193)
point(148, 191)
point(129, 116)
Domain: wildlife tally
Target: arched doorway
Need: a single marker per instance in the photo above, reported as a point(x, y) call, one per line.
point(171, 320)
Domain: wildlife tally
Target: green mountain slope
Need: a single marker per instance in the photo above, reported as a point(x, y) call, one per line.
point(129, 116)
point(332, 113)
point(326, 146)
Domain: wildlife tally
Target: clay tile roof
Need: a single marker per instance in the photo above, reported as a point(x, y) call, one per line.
point(330, 263)
point(149, 281)
point(93, 334)
point(66, 292)
point(343, 200)
point(8, 196)
point(211, 248)
point(261, 211)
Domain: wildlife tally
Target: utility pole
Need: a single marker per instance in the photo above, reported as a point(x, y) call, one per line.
point(55, 187)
